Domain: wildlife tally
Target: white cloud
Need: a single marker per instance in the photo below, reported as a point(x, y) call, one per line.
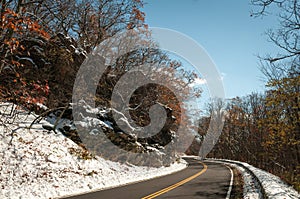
point(223, 75)
point(198, 81)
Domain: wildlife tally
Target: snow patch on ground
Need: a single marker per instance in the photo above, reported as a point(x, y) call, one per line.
point(251, 186)
point(36, 163)
point(272, 185)
point(251, 190)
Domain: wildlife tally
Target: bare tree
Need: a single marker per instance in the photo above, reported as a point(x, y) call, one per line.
point(88, 21)
point(286, 37)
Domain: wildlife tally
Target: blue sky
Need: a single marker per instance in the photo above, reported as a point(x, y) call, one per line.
point(226, 31)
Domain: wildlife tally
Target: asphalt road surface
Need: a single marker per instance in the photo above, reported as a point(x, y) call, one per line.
point(198, 180)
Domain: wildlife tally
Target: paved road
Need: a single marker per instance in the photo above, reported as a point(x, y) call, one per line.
point(199, 180)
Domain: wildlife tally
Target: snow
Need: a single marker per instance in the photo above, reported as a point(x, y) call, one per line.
point(37, 163)
point(251, 186)
point(27, 59)
point(42, 106)
point(272, 185)
point(59, 124)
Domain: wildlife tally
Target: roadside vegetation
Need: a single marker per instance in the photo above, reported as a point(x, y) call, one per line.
point(263, 129)
point(44, 43)
point(238, 185)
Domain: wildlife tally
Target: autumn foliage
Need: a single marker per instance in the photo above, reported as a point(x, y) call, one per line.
point(38, 61)
point(263, 130)
point(15, 86)
point(44, 43)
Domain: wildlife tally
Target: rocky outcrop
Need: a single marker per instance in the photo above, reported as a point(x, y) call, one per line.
point(96, 129)
point(57, 60)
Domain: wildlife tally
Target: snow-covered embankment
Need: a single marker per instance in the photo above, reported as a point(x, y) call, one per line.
point(38, 163)
point(271, 186)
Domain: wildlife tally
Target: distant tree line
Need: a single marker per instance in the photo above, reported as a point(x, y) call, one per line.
point(264, 129)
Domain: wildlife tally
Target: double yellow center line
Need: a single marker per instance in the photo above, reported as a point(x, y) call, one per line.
point(158, 193)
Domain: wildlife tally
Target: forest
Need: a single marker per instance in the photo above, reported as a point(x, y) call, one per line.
point(263, 129)
point(44, 42)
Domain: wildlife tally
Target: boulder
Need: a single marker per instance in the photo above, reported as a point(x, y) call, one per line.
point(93, 121)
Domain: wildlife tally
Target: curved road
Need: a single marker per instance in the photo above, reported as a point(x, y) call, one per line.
point(198, 180)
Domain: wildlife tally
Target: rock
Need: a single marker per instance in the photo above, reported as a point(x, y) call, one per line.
point(92, 119)
point(48, 126)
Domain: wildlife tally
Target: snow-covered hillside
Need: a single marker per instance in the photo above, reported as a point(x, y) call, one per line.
point(38, 163)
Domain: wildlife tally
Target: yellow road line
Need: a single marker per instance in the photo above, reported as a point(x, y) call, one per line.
point(165, 190)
